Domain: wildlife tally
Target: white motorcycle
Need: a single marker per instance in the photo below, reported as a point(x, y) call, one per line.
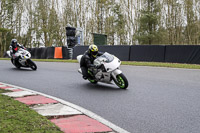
point(108, 71)
point(24, 59)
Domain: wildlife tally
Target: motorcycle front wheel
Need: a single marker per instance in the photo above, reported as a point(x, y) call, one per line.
point(32, 64)
point(121, 81)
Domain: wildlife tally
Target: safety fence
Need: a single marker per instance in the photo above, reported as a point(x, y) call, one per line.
point(50, 53)
point(150, 53)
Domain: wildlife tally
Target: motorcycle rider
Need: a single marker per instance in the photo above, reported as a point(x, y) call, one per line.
point(14, 47)
point(88, 58)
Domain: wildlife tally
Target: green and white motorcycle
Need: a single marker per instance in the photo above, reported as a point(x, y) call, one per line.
point(107, 72)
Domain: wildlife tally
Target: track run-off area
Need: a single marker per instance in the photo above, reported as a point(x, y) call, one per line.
point(157, 100)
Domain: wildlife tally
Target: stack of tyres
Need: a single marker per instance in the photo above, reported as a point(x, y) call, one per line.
point(71, 36)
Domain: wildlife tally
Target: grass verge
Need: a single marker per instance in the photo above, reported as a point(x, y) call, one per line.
point(4, 58)
point(158, 64)
point(16, 117)
point(133, 63)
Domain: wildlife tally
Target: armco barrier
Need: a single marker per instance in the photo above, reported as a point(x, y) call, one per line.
point(152, 53)
point(183, 54)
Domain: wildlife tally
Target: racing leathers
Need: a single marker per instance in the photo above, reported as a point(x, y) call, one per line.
point(13, 51)
point(87, 62)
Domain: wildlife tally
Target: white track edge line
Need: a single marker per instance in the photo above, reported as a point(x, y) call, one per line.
point(84, 111)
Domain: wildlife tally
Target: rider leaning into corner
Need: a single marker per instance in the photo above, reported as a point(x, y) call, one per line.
point(88, 58)
point(14, 47)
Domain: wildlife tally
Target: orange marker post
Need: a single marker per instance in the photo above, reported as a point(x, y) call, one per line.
point(58, 53)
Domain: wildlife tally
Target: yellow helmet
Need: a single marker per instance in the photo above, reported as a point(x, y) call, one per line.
point(93, 49)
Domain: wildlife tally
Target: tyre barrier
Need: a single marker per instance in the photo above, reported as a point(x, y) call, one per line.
point(78, 50)
point(183, 54)
point(38, 53)
point(155, 53)
point(43, 53)
point(149, 53)
point(120, 51)
point(50, 52)
point(66, 53)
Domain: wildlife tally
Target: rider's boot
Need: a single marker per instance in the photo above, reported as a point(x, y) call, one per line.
point(84, 77)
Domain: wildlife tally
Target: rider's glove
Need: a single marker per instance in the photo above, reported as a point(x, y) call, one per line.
point(91, 66)
point(98, 66)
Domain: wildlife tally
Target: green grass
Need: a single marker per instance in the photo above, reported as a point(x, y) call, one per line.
point(55, 60)
point(4, 91)
point(133, 63)
point(16, 117)
point(158, 64)
point(4, 58)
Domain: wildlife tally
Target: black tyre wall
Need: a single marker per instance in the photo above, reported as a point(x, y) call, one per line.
point(38, 53)
point(121, 52)
point(78, 50)
point(50, 52)
point(156, 53)
point(29, 49)
point(43, 53)
point(65, 53)
point(32, 51)
point(183, 54)
point(153, 53)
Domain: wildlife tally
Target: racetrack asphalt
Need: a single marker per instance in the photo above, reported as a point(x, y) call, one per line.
point(157, 100)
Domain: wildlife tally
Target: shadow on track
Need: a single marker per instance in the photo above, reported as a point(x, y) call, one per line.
point(21, 69)
point(101, 86)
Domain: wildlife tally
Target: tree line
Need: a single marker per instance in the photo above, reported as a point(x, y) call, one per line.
point(38, 23)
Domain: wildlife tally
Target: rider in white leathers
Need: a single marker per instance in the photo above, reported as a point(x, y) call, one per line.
point(14, 47)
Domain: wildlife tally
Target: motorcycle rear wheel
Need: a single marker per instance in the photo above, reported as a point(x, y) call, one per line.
point(121, 81)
